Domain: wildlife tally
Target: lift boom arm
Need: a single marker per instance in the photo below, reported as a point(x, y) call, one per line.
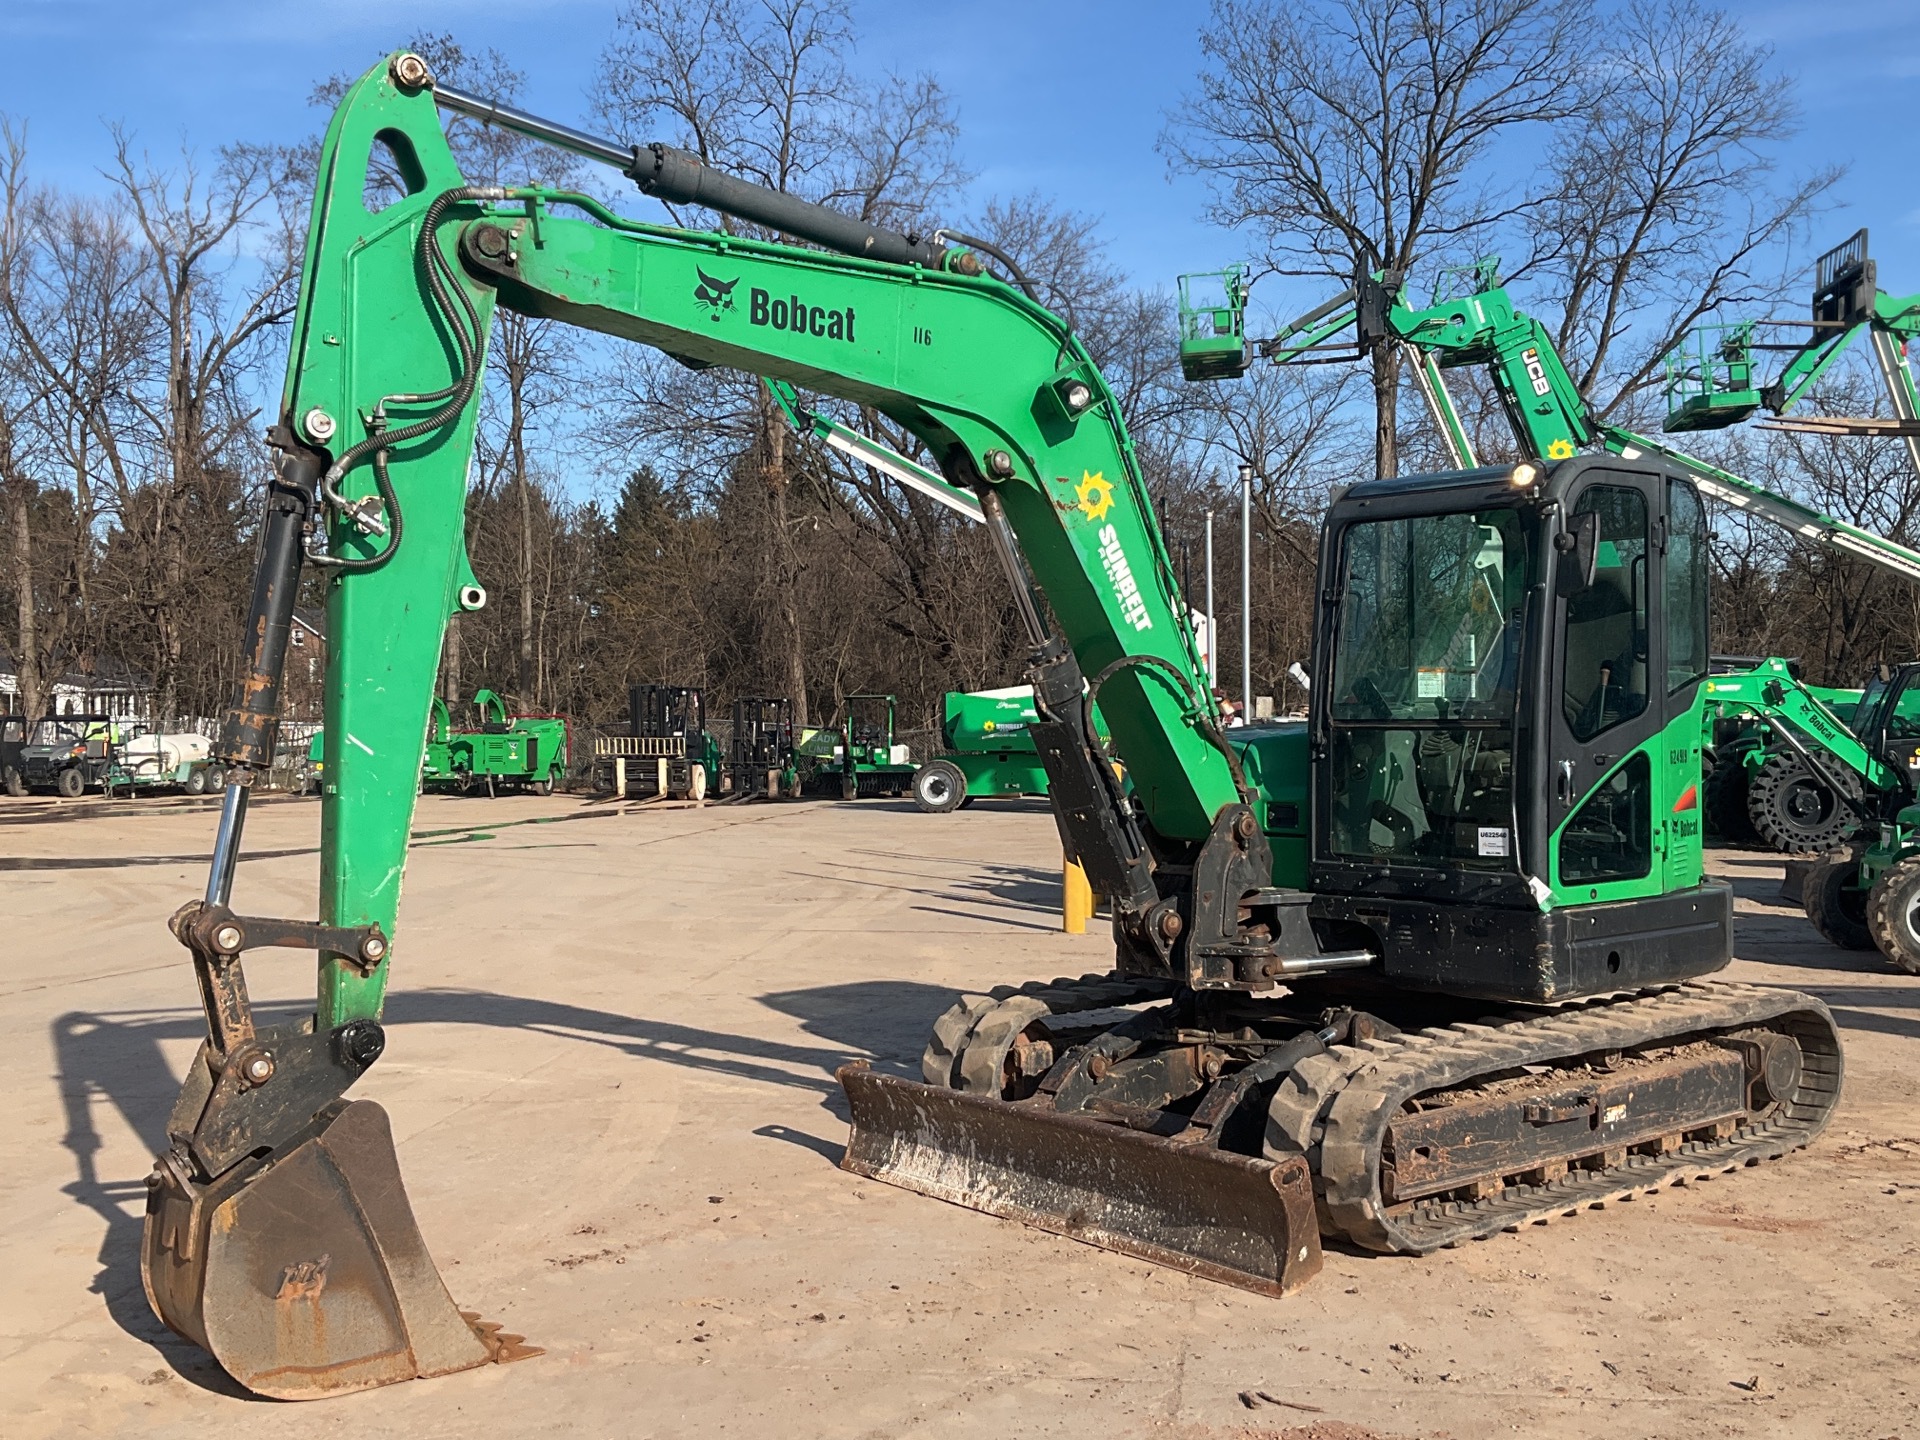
point(1549, 416)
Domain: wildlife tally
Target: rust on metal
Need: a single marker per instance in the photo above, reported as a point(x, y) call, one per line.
point(1548, 1122)
point(305, 1273)
point(1239, 1219)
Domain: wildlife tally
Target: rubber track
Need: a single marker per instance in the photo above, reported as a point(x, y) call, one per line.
point(953, 1031)
point(1361, 1094)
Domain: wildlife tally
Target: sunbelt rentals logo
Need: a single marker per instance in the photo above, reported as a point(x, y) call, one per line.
point(1095, 494)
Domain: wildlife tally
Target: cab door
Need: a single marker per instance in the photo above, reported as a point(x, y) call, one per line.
point(1617, 801)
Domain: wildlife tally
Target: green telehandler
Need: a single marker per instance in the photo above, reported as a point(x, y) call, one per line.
point(1432, 964)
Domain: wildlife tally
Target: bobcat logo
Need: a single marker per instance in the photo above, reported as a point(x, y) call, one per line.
point(714, 295)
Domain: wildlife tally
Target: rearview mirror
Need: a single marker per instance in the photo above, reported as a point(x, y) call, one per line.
point(1579, 554)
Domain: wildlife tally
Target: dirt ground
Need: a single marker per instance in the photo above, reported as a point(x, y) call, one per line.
point(610, 1074)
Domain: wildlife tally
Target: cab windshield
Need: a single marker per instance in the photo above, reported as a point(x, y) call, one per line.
point(56, 732)
point(1429, 626)
point(1425, 674)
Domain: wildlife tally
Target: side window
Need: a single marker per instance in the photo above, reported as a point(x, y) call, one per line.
point(1610, 837)
point(1686, 586)
point(1605, 639)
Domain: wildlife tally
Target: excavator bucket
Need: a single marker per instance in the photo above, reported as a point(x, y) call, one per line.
point(305, 1274)
point(1239, 1219)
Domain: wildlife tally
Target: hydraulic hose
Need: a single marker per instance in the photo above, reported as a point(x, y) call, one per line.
point(443, 284)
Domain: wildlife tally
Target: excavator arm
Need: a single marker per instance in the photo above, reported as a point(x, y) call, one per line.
point(270, 1172)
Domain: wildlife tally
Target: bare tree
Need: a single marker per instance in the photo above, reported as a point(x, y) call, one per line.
point(1666, 209)
point(762, 89)
point(1358, 134)
point(194, 405)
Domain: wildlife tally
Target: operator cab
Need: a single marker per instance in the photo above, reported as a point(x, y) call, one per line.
point(1510, 662)
point(1887, 720)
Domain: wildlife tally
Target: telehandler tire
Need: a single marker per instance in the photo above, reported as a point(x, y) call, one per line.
point(1796, 810)
point(939, 786)
point(1893, 913)
point(1836, 906)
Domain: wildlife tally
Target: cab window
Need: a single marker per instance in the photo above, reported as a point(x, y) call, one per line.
point(1604, 640)
point(1686, 586)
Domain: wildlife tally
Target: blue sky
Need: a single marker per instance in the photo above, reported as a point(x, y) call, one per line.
point(1064, 98)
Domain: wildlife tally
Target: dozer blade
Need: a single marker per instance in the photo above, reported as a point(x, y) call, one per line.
point(1234, 1218)
point(305, 1274)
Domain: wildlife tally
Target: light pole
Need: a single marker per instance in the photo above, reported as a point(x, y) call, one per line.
point(1246, 592)
point(1213, 635)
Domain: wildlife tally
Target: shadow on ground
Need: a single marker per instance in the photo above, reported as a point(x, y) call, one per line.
point(118, 1058)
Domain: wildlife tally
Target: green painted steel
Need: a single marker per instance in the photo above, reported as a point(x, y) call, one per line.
point(969, 364)
point(517, 749)
point(999, 774)
point(1213, 324)
point(1771, 692)
point(985, 737)
point(363, 329)
point(913, 344)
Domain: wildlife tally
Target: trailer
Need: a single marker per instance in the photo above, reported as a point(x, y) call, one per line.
point(144, 759)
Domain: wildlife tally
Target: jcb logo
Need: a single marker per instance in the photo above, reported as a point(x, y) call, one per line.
point(1536, 372)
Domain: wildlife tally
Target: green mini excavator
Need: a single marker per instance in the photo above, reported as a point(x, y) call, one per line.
point(1432, 965)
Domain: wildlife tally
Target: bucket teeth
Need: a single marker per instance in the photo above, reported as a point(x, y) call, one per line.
point(503, 1347)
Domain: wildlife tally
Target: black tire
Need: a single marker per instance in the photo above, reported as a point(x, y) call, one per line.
point(1836, 906)
point(196, 782)
point(1726, 802)
point(216, 779)
point(1795, 810)
point(16, 786)
point(938, 787)
point(1893, 913)
point(72, 782)
point(545, 787)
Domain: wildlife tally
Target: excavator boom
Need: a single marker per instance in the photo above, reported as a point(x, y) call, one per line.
point(1337, 946)
point(372, 454)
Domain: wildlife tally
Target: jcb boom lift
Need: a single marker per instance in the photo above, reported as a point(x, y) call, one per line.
point(1426, 968)
point(1832, 781)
